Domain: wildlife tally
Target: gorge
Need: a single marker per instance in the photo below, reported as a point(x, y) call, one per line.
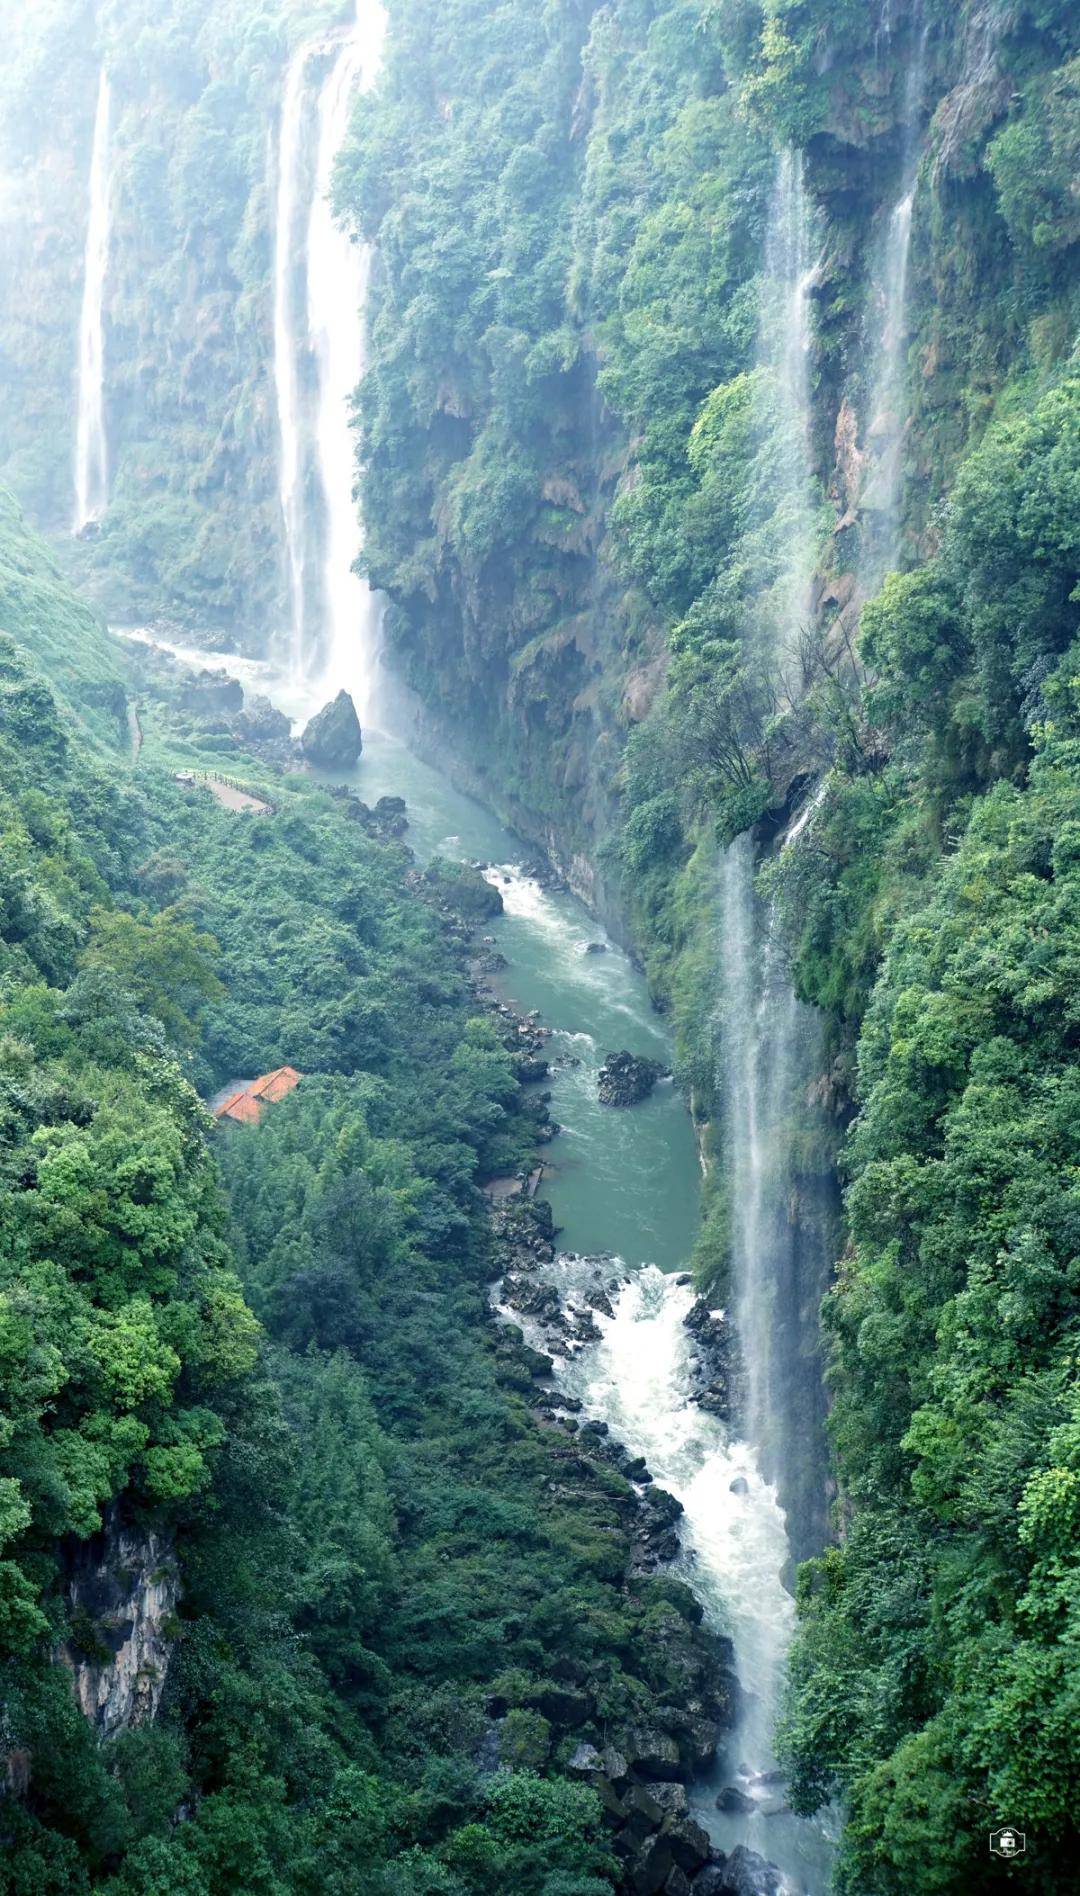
point(662, 420)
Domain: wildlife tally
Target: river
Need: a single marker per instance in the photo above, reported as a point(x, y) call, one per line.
point(625, 1182)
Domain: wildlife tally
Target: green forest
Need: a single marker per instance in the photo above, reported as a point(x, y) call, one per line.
point(713, 457)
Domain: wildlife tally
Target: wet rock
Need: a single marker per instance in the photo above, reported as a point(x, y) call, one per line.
point(740, 1485)
point(710, 1881)
point(532, 1298)
point(716, 1371)
point(652, 1752)
point(389, 818)
point(530, 1067)
point(699, 1737)
point(672, 1799)
point(596, 947)
point(627, 1078)
point(688, 1843)
point(746, 1873)
point(333, 737)
point(651, 1867)
point(734, 1801)
point(678, 1883)
point(643, 1811)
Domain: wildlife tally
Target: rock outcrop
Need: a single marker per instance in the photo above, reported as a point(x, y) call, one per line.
point(333, 738)
point(628, 1078)
point(122, 1590)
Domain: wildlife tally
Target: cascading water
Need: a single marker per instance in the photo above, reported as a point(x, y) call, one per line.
point(91, 449)
point(320, 282)
point(880, 499)
point(337, 292)
point(784, 344)
point(770, 1055)
point(286, 352)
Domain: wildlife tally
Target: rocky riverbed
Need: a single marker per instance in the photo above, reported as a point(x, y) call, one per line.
point(548, 1306)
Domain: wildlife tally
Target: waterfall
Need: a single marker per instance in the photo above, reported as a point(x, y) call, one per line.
point(337, 291)
point(286, 351)
point(91, 450)
point(771, 1054)
point(320, 283)
point(880, 500)
point(785, 339)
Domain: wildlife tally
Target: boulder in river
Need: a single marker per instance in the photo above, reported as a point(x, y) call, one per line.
point(628, 1078)
point(746, 1873)
point(734, 1801)
point(333, 737)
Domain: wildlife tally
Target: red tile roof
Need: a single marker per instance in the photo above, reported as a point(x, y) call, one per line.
point(275, 1085)
point(247, 1104)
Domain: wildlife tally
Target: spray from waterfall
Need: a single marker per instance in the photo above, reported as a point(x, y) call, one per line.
point(785, 340)
point(91, 448)
point(320, 284)
point(771, 1054)
point(880, 501)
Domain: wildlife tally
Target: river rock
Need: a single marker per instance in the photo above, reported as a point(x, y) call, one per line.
point(678, 1883)
point(596, 947)
point(627, 1078)
point(710, 1880)
point(746, 1873)
point(651, 1867)
point(389, 818)
point(211, 691)
point(672, 1799)
point(740, 1485)
point(688, 1843)
point(715, 1384)
point(734, 1801)
point(333, 737)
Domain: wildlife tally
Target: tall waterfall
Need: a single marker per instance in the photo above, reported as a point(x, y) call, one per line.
point(91, 449)
point(784, 344)
point(887, 408)
point(771, 1054)
point(320, 282)
point(286, 352)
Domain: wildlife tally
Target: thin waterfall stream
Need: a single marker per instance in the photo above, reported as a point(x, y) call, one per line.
point(91, 445)
point(886, 420)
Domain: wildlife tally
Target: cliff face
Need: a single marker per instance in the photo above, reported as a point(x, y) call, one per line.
point(192, 522)
point(121, 1590)
point(561, 465)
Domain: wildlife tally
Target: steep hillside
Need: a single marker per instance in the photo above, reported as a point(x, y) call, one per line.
point(726, 448)
point(315, 1599)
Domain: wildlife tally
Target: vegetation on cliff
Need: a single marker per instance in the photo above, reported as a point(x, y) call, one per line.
point(573, 436)
point(403, 1600)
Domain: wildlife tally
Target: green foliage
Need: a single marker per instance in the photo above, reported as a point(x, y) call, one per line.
point(374, 1534)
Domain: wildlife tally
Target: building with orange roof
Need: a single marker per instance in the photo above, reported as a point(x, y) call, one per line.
point(245, 1106)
